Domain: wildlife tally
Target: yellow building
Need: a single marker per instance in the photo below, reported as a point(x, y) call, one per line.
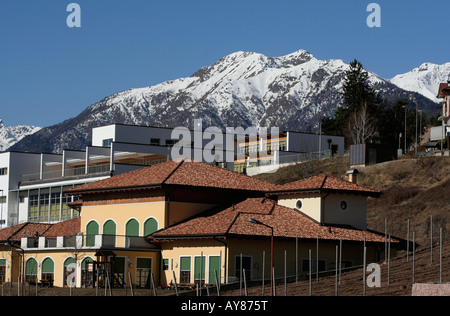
point(191, 222)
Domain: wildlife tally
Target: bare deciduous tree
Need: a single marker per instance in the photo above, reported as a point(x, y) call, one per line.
point(361, 127)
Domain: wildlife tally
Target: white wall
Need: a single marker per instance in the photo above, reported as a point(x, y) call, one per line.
point(4, 186)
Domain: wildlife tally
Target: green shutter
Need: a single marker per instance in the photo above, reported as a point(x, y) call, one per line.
point(185, 263)
point(91, 231)
point(144, 263)
point(69, 261)
point(214, 264)
point(48, 266)
point(131, 230)
point(31, 267)
point(199, 265)
point(2, 262)
point(109, 228)
point(150, 226)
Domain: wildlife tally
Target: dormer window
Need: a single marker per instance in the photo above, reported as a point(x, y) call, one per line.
point(299, 205)
point(343, 205)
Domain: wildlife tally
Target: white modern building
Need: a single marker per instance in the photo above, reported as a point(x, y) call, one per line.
point(440, 133)
point(289, 147)
point(32, 185)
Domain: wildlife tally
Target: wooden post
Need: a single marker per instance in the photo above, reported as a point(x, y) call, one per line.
point(407, 242)
point(131, 283)
point(389, 260)
point(263, 270)
point(153, 285)
point(440, 255)
point(414, 257)
point(431, 238)
point(245, 282)
point(310, 272)
point(317, 259)
point(340, 260)
point(337, 268)
point(175, 281)
point(285, 274)
point(296, 259)
point(217, 282)
point(364, 271)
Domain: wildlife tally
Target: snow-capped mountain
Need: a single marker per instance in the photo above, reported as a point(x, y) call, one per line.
point(424, 79)
point(10, 135)
point(292, 92)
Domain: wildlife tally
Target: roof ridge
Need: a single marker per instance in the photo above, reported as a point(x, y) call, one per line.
point(18, 230)
point(173, 171)
point(323, 181)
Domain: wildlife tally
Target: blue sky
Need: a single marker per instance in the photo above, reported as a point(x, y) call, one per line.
point(50, 72)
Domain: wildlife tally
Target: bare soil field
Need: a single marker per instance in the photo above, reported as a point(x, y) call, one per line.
point(400, 278)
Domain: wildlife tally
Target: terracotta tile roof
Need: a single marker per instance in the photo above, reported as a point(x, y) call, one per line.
point(67, 228)
point(184, 172)
point(286, 222)
point(326, 183)
point(17, 232)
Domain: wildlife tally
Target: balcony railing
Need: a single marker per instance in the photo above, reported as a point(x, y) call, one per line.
point(85, 242)
point(71, 172)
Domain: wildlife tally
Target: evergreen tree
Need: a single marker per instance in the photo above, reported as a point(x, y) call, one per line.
point(361, 110)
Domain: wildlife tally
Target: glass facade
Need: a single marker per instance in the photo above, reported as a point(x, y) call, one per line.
point(48, 205)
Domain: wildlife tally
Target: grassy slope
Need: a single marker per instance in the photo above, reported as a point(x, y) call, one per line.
point(413, 189)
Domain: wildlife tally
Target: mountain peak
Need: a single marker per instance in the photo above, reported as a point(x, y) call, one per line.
point(292, 92)
point(10, 135)
point(424, 79)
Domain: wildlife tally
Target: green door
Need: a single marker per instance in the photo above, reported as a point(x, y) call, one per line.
point(214, 265)
point(119, 271)
point(199, 269)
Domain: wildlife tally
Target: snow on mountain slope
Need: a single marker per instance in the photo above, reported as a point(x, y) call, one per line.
point(292, 92)
point(424, 79)
point(10, 135)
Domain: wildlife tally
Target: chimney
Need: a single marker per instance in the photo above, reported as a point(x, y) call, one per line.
point(352, 175)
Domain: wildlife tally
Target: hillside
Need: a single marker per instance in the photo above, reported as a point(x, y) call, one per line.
point(400, 278)
point(413, 189)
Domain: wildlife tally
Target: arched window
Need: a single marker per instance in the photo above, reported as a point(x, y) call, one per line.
point(48, 271)
point(31, 268)
point(91, 231)
point(68, 270)
point(109, 228)
point(131, 230)
point(150, 226)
